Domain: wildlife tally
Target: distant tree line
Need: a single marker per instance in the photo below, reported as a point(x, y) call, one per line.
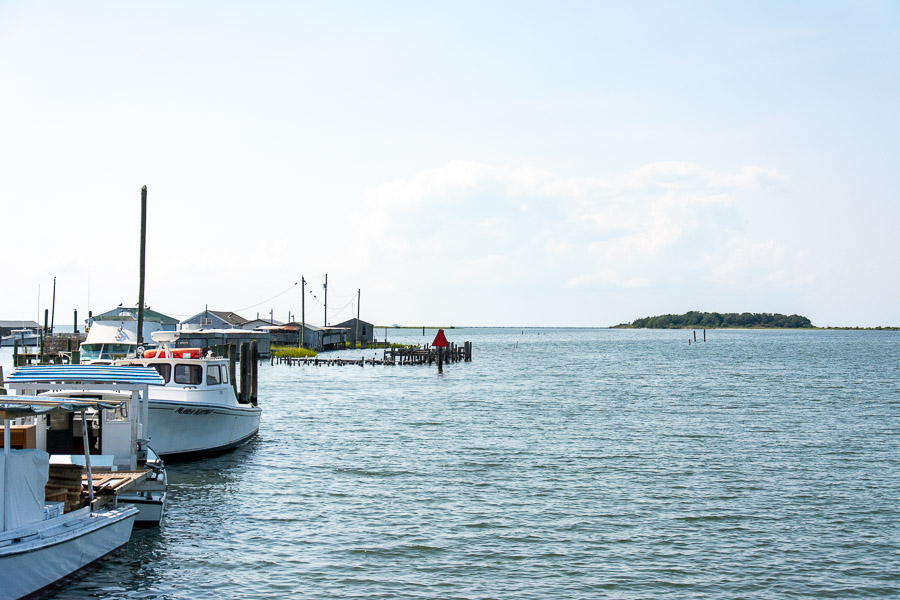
point(714, 320)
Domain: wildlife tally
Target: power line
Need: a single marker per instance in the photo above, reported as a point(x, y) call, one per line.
point(272, 298)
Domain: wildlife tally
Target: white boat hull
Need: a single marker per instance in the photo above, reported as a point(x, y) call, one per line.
point(150, 510)
point(183, 428)
point(52, 550)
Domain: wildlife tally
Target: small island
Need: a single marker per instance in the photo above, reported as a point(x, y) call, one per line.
point(714, 320)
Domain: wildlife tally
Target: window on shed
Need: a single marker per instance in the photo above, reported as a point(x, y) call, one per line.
point(188, 374)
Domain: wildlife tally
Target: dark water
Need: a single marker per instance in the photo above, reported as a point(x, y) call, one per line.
point(559, 464)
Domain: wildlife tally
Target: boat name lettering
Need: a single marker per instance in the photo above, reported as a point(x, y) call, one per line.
point(193, 411)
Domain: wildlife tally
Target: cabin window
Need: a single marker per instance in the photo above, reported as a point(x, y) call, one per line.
point(164, 370)
point(112, 351)
point(224, 375)
point(90, 351)
point(213, 375)
point(188, 374)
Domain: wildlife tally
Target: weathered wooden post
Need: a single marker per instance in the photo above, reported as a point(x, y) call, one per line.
point(140, 315)
point(75, 327)
point(244, 396)
point(53, 305)
point(695, 335)
point(232, 363)
point(704, 335)
point(43, 332)
point(254, 370)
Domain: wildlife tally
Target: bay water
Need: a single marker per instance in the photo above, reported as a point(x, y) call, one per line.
point(559, 463)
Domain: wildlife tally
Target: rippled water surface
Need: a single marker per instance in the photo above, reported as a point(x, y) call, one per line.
point(558, 464)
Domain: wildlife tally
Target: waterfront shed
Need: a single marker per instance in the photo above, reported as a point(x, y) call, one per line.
point(366, 331)
point(6, 327)
point(214, 319)
point(260, 323)
point(314, 338)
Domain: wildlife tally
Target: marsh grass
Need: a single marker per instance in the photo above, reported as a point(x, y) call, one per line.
point(283, 351)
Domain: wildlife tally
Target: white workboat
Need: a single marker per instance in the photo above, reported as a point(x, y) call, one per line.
point(114, 335)
point(41, 541)
point(115, 439)
point(23, 337)
point(196, 411)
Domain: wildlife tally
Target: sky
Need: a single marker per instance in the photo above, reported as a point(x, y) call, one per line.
point(452, 163)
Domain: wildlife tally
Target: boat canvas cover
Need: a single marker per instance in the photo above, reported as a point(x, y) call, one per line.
point(24, 473)
point(101, 374)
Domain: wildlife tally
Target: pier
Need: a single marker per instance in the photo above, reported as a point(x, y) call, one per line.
point(57, 349)
point(415, 355)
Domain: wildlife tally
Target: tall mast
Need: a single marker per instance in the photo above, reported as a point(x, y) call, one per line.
point(140, 323)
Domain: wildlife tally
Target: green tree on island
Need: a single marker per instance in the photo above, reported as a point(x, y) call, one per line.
point(714, 320)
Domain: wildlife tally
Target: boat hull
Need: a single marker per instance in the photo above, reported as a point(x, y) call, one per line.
point(58, 548)
point(181, 429)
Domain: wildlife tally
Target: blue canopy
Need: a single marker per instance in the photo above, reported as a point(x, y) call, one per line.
point(22, 406)
point(87, 374)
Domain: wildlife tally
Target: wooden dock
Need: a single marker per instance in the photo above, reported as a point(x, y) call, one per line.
point(415, 355)
point(60, 349)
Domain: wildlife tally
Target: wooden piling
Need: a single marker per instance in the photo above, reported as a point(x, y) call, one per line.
point(232, 364)
point(244, 396)
point(254, 370)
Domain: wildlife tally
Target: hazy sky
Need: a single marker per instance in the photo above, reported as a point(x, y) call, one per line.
point(462, 163)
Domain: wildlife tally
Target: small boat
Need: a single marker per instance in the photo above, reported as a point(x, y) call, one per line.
point(48, 532)
point(113, 441)
point(196, 410)
point(25, 338)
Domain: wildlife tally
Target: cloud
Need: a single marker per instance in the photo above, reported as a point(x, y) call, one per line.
point(498, 226)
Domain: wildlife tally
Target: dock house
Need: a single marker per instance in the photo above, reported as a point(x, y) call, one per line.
point(315, 338)
point(214, 319)
point(366, 332)
point(217, 340)
point(261, 323)
point(7, 327)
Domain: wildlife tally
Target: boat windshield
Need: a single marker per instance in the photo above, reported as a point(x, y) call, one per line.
point(106, 351)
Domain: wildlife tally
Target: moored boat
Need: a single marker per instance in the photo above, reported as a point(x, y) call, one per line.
point(196, 411)
point(22, 337)
point(43, 541)
point(111, 441)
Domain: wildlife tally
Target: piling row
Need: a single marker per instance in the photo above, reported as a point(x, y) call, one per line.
point(415, 355)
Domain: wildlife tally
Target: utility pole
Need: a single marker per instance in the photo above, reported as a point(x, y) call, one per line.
point(140, 323)
point(358, 293)
point(271, 316)
point(302, 308)
point(326, 301)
